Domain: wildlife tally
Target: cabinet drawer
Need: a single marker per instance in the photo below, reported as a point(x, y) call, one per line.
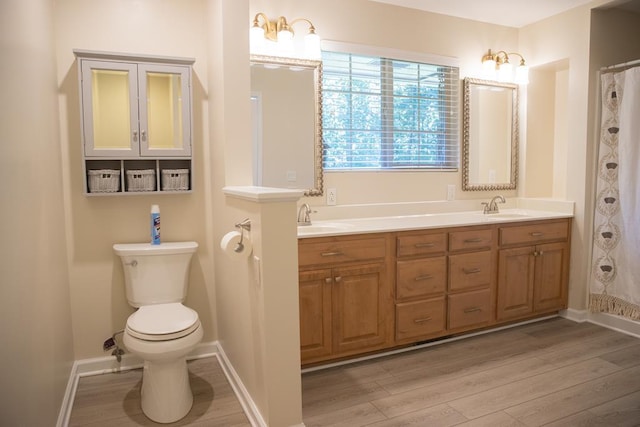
point(421, 277)
point(336, 251)
point(469, 309)
point(420, 318)
point(534, 233)
point(470, 239)
point(421, 244)
point(470, 270)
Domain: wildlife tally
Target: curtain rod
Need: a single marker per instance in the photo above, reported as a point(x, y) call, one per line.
point(620, 67)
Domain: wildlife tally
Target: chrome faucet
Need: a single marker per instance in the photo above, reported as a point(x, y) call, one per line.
point(492, 206)
point(304, 213)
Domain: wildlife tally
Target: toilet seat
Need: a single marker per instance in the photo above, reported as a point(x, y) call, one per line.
point(162, 322)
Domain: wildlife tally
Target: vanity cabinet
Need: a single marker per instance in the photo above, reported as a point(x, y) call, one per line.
point(533, 269)
point(421, 285)
point(136, 122)
point(369, 292)
point(472, 255)
point(345, 295)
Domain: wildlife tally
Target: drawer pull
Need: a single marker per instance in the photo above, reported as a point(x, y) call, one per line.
point(474, 240)
point(338, 279)
point(425, 245)
point(328, 280)
point(470, 270)
point(332, 253)
point(536, 234)
point(423, 277)
point(472, 309)
point(424, 320)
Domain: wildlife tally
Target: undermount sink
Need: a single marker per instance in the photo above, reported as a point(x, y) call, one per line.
point(320, 228)
point(510, 215)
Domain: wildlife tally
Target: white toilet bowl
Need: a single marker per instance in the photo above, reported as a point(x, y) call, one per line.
point(162, 335)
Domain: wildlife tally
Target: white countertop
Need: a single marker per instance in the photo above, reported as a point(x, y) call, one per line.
point(341, 227)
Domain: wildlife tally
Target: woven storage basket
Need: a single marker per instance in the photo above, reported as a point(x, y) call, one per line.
point(141, 180)
point(175, 179)
point(104, 180)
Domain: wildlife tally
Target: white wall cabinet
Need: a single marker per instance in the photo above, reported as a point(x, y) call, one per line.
point(136, 123)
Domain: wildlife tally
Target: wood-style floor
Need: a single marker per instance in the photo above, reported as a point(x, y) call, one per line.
point(555, 372)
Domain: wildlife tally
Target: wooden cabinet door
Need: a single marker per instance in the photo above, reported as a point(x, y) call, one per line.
point(362, 308)
point(552, 262)
point(516, 274)
point(315, 313)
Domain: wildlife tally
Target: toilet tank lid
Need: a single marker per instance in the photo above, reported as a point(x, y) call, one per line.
point(128, 249)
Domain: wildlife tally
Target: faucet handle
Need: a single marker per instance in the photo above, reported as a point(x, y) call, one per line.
point(485, 209)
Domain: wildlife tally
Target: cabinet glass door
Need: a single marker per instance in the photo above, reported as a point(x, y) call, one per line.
point(164, 110)
point(110, 114)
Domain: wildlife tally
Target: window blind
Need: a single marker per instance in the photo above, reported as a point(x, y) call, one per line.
point(383, 113)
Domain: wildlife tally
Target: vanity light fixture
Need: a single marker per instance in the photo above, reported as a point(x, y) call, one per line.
point(496, 66)
point(276, 38)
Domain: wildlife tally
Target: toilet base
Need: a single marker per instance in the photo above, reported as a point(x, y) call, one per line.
point(166, 394)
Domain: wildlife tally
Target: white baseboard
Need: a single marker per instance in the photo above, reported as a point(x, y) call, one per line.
point(109, 364)
point(606, 320)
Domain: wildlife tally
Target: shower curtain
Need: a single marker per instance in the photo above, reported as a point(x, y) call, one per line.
point(615, 267)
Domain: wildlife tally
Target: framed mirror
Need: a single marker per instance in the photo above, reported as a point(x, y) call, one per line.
point(286, 101)
point(490, 135)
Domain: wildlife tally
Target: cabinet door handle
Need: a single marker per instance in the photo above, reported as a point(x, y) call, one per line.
point(423, 277)
point(423, 320)
point(470, 270)
point(135, 135)
point(328, 280)
point(331, 253)
point(536, 234)
point(338, 279)
point(474, 240)
point(143, 135)
point(472, 309)
point(425, 245)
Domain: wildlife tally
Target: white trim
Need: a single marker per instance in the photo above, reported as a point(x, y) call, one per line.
point(109, 364)
point(248, 405)
point(263, 194)
point(382, 52)
point(606, 320)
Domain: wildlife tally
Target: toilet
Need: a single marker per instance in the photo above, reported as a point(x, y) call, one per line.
point(162, 331)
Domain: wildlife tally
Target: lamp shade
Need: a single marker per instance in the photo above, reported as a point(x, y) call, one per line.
point(312, 46)
point(522, 75)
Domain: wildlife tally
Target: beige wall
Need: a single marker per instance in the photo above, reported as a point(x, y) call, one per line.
point(35, 313)
point(94, 224)
point(376, 24)
point(568, 44)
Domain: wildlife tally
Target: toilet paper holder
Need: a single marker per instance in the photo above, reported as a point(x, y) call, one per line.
point(243, 225)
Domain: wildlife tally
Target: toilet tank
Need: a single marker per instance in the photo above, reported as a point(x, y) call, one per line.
point(155, 274)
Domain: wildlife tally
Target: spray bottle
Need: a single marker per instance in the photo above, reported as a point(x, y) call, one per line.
point(155, 225)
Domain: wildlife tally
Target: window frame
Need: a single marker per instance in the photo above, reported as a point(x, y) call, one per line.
point(386, 134)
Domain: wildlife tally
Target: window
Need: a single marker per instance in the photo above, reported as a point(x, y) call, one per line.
point(388, 114)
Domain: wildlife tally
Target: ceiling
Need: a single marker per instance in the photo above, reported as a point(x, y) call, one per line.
point(511, 13)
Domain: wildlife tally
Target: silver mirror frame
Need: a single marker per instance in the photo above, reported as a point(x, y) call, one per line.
point(512, 184)
point(317, 190)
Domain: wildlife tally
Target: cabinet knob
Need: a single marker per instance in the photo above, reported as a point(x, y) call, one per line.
point(328, 280)
point(338, 279)
point(135, 135)
point(143, 135)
